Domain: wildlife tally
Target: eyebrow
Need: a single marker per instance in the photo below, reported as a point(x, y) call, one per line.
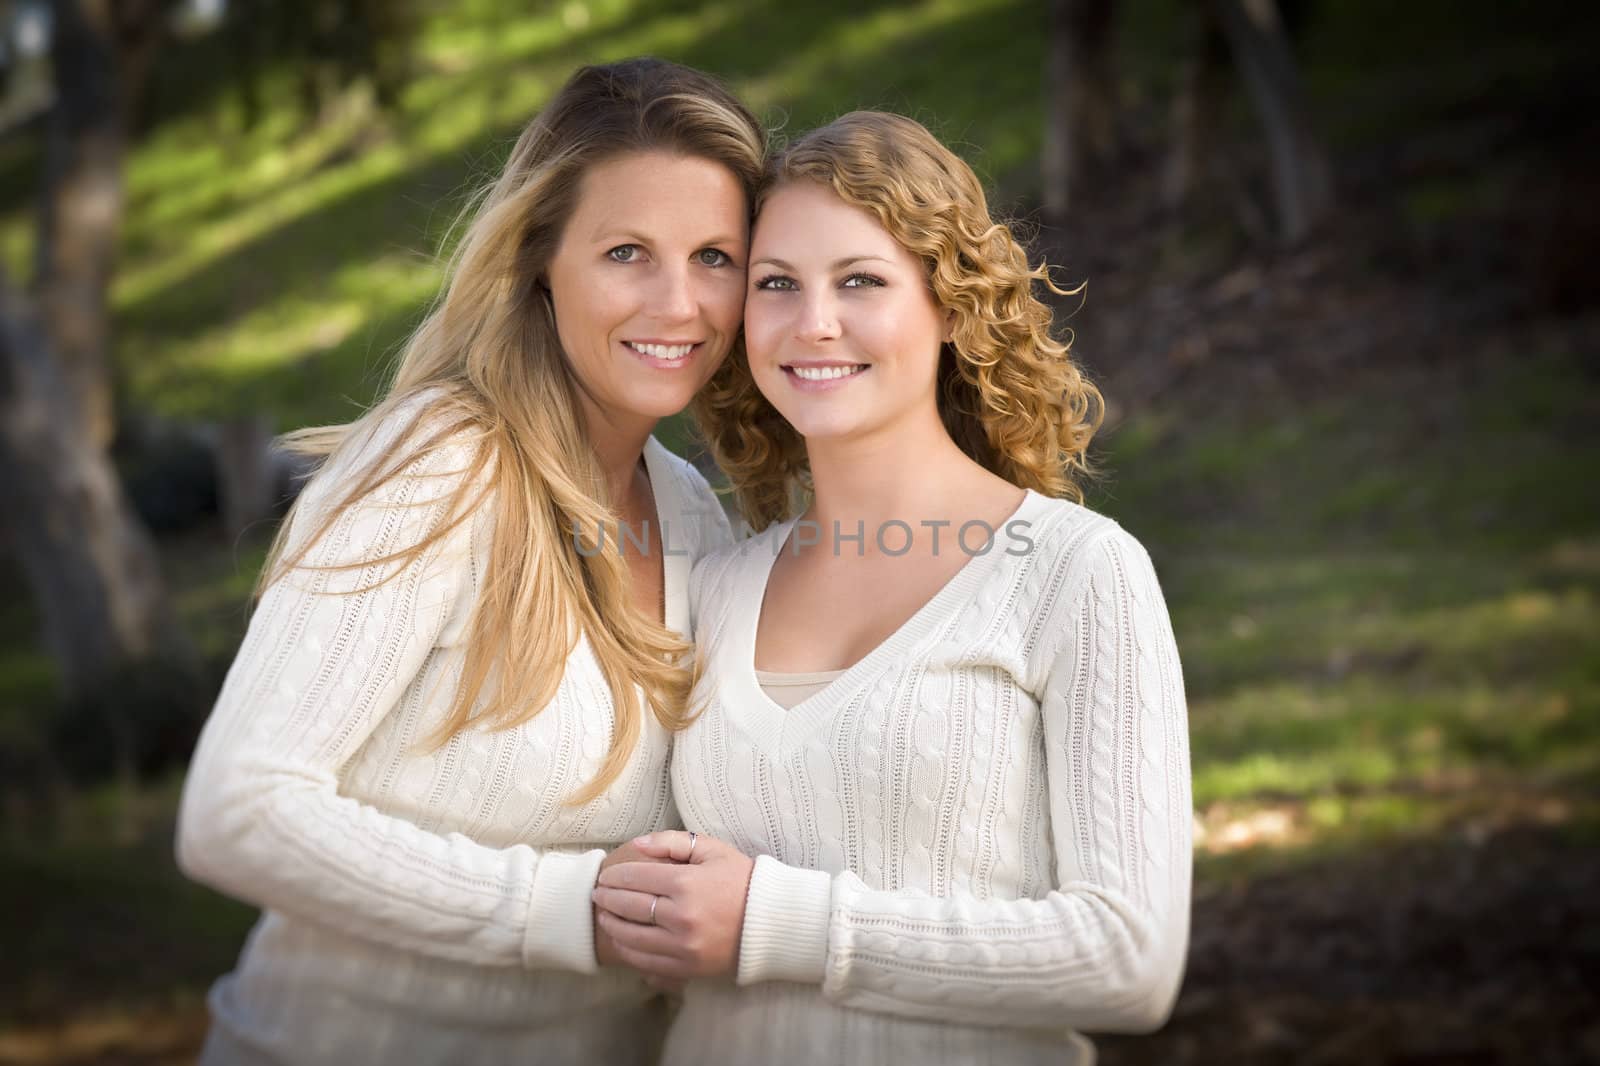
point(603, 236)
point(837, 264)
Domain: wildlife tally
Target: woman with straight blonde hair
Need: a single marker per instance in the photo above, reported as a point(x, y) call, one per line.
point(938, 795)
point(469, 651)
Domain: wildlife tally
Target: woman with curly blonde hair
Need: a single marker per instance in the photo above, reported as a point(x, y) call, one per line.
point(938, 795)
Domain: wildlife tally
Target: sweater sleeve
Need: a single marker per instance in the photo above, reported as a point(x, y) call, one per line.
point(329, 653)
point(1104, 949)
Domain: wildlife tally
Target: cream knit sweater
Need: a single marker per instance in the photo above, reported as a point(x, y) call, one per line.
point(421, 906)
point(974, 841)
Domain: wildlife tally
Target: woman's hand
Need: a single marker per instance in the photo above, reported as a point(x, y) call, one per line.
point(605, 952)
point(694, 889)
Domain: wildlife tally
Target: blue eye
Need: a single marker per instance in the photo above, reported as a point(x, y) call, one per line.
point(863, 281)
point(713, 257)
point(623, 253)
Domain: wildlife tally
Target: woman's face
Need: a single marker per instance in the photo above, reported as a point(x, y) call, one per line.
point(648, 282)
point(842, 329)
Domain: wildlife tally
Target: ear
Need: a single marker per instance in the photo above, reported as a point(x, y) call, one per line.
point(947, 334)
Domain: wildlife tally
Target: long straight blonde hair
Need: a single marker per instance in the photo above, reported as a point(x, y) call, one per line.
point(487, 367)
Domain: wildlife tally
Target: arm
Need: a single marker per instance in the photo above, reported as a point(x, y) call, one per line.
point(326, 658)
point(1102, 951)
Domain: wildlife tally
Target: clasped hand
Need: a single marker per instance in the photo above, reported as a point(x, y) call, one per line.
point(670, 911)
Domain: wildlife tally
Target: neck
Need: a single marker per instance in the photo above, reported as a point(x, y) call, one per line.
point(904, 473)
point(618, 442)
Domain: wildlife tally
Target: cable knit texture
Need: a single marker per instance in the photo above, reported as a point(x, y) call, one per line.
point(421, 905)
point(973, 842)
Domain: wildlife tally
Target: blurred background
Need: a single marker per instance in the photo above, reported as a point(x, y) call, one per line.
point(1339, 295)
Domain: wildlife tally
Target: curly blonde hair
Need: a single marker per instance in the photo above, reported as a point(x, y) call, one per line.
point(1009, 393)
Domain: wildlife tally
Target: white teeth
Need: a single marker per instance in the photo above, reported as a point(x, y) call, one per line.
point(662, 351)
point(824, 373)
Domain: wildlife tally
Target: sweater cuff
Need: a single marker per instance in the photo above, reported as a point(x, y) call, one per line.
point(785, 935)
point(560, 930)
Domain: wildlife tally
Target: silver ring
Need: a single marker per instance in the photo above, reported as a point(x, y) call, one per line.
point(653, 901)
point(693, 838)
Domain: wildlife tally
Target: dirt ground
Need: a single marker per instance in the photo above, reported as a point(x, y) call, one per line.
point(1465, 951)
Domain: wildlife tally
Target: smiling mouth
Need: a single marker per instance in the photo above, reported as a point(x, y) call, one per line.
point(670, 353)
point(825, 373)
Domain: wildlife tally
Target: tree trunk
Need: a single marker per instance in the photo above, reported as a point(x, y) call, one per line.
point(1301, 185)
point(1080, 98)
point(1196, 113)
point(90, 565)
point(81, 209)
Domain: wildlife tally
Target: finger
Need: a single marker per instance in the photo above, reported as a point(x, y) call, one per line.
point(640, 907)
point(655, 878)
point(646, 939)
point(622, 853)
point(652, 965)
point(671, 844)
point(629, 853)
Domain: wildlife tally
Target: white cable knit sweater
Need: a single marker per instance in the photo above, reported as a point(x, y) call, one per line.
point(974, 841)
point(421, 906)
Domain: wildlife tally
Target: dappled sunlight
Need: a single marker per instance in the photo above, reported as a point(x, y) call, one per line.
point(291, 200)
point(1422, 626)
point(212, 278)
point(1298, 773)
point(217, 177)
point(851, 41)
point(334, 321)
point(668, 33)
point(1470, 802)
point(1297, 740)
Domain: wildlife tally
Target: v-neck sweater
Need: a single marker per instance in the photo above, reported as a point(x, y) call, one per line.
point(421, 904)
point(973, 842)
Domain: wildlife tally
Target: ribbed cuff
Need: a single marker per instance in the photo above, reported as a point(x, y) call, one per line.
point(785, 934)
point(560, 930)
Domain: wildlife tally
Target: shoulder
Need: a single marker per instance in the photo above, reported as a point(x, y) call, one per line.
point(419, 434)
point(721, 574)
point(1069, 554)
point(1063, 536)
point(404, 464)
point(700, 523)
point(690, 482)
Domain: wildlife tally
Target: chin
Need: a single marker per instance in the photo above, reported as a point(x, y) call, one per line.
point(660, 403)
point(819, 426)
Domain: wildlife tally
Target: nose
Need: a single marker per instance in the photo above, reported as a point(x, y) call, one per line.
point(675, 296)
point(818, 321)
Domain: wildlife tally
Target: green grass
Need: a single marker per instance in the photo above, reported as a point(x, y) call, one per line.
point(99, 913)
point(1387, 600)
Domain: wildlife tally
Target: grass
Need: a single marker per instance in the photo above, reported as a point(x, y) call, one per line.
point(1387, 602)
point(131, 936)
